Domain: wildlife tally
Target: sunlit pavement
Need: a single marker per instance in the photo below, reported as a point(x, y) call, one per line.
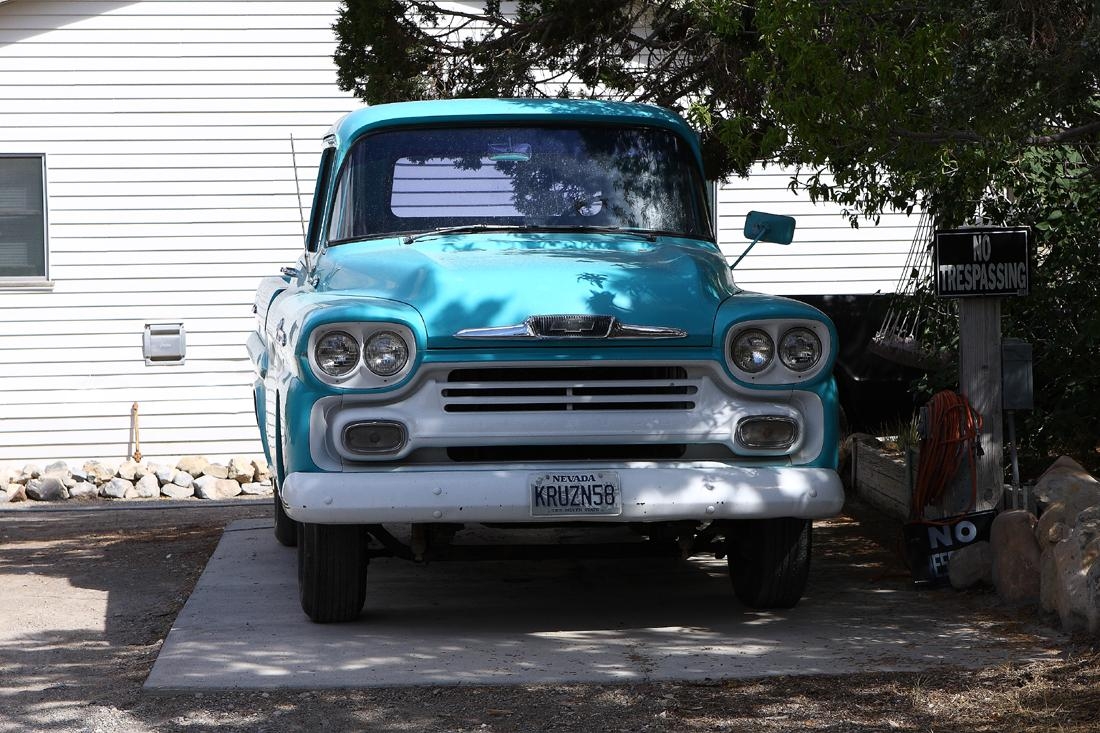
point(521, 622)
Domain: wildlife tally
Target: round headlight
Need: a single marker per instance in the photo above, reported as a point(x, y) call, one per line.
point(752, 351)
point(387, 353)
point(799, 349)
point(336, 353)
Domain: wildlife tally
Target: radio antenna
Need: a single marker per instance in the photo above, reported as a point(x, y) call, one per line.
point(297, 186)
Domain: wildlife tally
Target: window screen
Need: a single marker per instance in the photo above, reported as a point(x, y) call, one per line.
point(22, 217)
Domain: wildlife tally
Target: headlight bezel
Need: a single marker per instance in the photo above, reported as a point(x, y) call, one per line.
point(778, 372)
point(781, 346)
point(369, 352)
point(362, 377)
point(767, 349)
point(353, 348)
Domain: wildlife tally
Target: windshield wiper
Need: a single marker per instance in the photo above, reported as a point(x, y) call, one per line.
point(565, 228)
point(464, 229)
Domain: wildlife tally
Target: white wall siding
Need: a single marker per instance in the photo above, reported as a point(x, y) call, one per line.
point(166, 128)
point(827, 257)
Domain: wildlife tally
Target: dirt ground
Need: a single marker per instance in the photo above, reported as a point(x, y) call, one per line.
point(87, 598)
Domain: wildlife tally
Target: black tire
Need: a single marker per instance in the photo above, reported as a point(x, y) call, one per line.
point(769, 560)
point(286, 529)
point(332, 571)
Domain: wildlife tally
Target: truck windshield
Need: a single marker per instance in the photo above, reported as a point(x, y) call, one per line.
point(419, 180)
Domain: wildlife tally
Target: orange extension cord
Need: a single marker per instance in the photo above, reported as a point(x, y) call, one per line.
point(952, 429)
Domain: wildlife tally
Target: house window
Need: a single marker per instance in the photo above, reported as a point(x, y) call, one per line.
point(22, 219)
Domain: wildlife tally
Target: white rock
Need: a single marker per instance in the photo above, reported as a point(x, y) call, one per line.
point(84, 490)
point(183, 480)
point(263, 471)
point(193, 465)
point(128, 470)
point(175, 491)
point(216, 470)
point(30, 471)
point(13, 493)
point(256, 488)
point(212, 487)
point(241, 470)
point(47, 488)
point(99, 472)
point(165, 474)
point(8, 475)
point(59, 469)
point(116, 488)
point(147, 487)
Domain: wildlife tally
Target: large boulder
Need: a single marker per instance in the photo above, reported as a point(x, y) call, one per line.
point(970, 565)
point(1075, 571)
point(1064, 491)
point(1015, 557)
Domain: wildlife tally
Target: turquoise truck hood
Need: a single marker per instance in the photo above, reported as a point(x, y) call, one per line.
point(493, 279)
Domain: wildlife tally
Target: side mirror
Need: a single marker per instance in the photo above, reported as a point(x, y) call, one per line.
point(761, 227)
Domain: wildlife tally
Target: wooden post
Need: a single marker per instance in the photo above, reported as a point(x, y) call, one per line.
point(980, 383)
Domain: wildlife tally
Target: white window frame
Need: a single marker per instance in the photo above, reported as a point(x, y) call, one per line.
point(33, 282)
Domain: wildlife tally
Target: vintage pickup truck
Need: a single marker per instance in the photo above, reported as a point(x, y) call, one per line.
point(513, 314)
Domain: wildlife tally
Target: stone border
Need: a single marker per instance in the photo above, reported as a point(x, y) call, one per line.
point(191, 477)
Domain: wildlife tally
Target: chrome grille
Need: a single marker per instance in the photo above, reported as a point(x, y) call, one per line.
point(542, 389)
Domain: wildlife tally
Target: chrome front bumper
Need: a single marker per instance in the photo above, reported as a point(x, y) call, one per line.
point(481, 493)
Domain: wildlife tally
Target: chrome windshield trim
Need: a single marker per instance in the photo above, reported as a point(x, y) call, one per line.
point(593, 327)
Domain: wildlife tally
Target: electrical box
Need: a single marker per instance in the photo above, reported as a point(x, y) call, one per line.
point(164, 344)
point(1017, 387)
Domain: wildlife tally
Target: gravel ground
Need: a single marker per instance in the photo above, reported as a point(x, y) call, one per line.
point(87, 597)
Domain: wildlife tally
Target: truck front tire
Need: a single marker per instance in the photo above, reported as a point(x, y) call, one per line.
point(769, 560)
point(332, 571)
point(286, 529)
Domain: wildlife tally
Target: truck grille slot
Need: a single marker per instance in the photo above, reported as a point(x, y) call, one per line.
point(541, 389)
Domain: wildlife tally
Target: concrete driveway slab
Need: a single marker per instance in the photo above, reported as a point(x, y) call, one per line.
point(521, 622)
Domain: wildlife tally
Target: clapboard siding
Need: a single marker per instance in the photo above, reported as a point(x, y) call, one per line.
point(827, 257)
point(171, 183)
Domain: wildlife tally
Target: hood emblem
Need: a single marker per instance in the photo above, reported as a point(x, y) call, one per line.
point(567, 326)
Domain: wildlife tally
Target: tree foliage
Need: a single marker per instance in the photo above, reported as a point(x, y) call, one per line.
point(903, 103)
point(987, 108)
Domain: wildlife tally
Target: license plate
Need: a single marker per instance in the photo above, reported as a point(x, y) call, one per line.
point(575, 493)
